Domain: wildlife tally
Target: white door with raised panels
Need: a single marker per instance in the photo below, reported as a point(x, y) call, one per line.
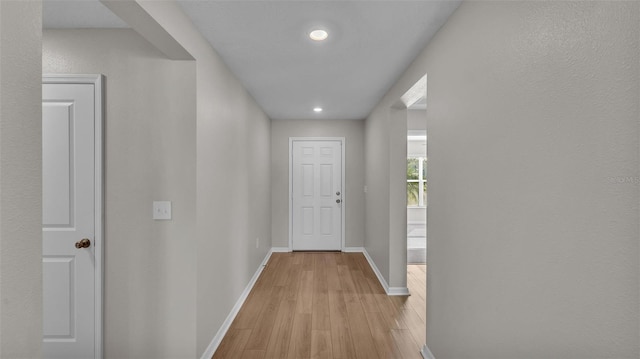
point(71, 217)
point(316, 194)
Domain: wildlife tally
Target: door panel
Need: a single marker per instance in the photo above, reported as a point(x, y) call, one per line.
point(57, 161)
point(58, 273)
point(316, 195)
point(326, 221)
point(68, 185)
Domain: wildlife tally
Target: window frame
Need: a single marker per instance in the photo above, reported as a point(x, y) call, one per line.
point(422, 180)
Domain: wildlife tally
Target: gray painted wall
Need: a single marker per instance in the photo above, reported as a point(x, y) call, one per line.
point(386, 197)
point(150, 130)
point(353, 131)
point(533, 191)
point(196, 140)
point(20, 179)
point(233, 145)
point(377, 181)
point(397, 208)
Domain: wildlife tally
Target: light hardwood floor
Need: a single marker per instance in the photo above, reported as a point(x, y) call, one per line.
point(327, 305)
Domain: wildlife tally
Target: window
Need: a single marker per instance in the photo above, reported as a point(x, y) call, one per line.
point(417, 181)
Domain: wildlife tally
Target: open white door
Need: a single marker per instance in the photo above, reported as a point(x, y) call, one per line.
point(72, 216)
point(316, 194)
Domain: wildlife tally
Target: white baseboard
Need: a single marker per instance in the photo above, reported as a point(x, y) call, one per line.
point(398, 291)
point(426, 353)
point(217, 339)
point(383, 282)
point(376, 271)
point(353, 249)
point(280, 250)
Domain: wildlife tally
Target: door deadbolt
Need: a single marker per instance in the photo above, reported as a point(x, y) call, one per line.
point(338, 193)
point(83, 243)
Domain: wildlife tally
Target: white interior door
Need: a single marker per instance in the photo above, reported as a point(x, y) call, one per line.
point(70, 196)
point(316, 192)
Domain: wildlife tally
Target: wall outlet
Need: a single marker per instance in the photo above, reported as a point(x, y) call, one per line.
point(257, 242)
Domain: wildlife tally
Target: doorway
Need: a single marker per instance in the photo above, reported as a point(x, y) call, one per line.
point(415, 103)
point(317, 198)
point(416, 189)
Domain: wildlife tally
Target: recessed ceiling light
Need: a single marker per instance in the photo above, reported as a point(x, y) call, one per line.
point(318, 35)
point(317, 109)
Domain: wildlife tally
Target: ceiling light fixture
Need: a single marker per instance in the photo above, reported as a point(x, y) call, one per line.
point(318, 35)
point(317, 109)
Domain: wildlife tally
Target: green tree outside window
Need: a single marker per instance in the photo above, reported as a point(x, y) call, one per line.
point(416, 181)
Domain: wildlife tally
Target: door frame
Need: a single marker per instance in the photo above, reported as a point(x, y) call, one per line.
point(98, 82)
point(342, 184)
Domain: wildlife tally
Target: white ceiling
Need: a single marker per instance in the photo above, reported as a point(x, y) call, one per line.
point(266, 44)
point(78, 14)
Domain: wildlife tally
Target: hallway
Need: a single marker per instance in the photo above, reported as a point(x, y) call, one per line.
point(326, 305)
point(534, 176)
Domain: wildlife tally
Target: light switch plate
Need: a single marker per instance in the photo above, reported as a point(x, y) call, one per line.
point(162, 210)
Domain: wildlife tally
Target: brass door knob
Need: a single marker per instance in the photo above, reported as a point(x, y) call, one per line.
point(83, 243)
point(338, 201)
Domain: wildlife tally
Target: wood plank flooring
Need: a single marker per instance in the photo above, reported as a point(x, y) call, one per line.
point(327, 305)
